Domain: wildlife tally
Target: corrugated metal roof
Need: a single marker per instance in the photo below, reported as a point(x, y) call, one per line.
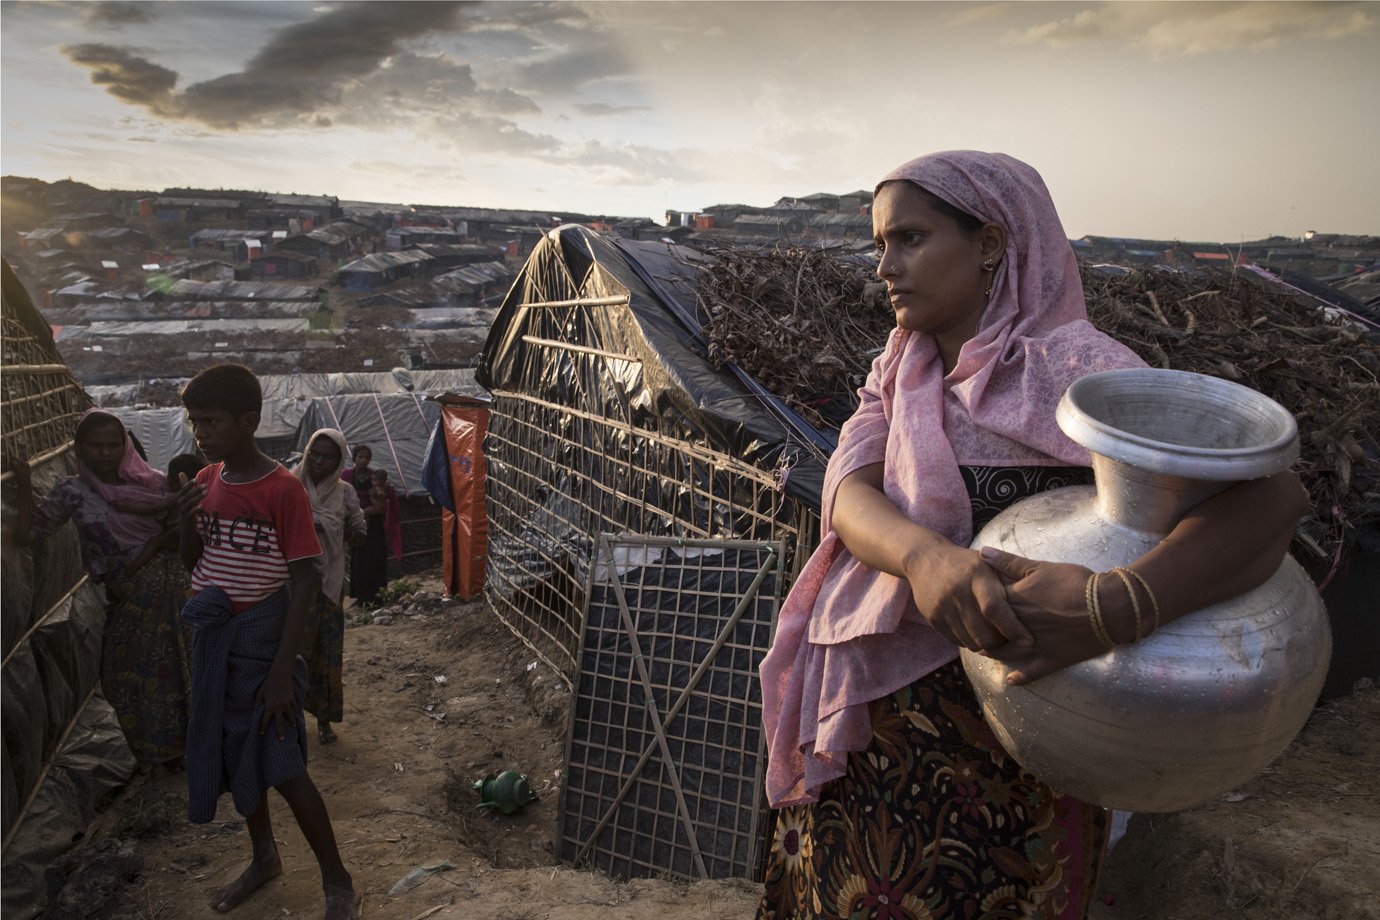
point(469, 277)
point(219, 234)
point(241, 290)
point(218, 203)
point(382, 261)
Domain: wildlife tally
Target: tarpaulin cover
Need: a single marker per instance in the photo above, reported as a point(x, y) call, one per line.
point(458, 445)
point(287, 400)
point(396, 428)
point(93, 763)
point(674, 389)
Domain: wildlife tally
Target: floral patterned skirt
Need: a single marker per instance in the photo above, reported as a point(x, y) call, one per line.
point(934, 821)
point(145, 659)
point(324, 648)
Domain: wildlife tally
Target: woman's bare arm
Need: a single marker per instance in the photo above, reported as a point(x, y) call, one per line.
point(954, 590)
point(1226, 546)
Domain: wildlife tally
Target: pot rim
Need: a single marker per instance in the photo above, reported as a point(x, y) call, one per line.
point(1187, 461)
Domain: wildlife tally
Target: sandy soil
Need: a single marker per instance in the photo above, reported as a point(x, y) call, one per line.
point(444, 694)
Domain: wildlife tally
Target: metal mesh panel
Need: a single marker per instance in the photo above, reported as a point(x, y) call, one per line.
point(41, 399)
point(665, 751)
point(558, 476)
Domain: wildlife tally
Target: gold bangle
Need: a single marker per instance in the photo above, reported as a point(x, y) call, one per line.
point(1154, 604)
point(1135, 601)
point(1095, 611)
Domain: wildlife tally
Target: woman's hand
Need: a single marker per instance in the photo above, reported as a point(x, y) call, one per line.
point(965, 601)
point(1049, 599)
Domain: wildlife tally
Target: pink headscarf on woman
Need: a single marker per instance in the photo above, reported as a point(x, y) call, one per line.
point(140, 483)
point(849, 634)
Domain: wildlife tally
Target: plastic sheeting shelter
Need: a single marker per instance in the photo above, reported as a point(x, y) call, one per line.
point(611, 425)
point(62, 749)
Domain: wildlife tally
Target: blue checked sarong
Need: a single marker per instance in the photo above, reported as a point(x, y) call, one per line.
point(231, 657)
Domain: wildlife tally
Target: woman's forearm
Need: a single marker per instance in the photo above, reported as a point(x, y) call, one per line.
point(1226, 546)
point(874, 530)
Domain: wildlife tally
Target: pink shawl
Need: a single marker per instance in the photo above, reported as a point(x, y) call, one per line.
point(848, 634)
point(140, 483)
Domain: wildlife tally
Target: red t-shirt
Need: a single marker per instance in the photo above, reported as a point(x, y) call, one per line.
point(250, 532)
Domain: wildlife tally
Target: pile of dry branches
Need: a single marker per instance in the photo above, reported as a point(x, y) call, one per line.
point(803, 323)
point(807, 326)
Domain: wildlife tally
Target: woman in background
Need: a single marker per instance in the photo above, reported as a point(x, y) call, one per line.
point(336, 513)
point(145, 670)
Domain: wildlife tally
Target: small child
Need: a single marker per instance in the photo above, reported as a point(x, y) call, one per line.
point(247, 535)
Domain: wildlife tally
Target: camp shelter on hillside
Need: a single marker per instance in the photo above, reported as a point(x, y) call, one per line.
point(380, 268)
point(134, 311)
point(63, 751)
point(237, 290)
point(623, 464)
point(278, 266)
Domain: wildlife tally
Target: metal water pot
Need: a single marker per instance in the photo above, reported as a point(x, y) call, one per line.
point(1205, 702)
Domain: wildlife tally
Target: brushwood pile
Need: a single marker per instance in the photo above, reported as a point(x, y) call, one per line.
point(808, 324)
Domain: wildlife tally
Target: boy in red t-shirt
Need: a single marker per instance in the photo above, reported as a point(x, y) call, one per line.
point(247, 536)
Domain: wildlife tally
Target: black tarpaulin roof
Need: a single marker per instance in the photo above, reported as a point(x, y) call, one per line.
point(677, 390)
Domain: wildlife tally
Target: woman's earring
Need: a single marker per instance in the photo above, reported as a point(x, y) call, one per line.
point(990, 267)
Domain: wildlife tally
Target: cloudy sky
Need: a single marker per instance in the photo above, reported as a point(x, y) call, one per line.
point(1212, 121)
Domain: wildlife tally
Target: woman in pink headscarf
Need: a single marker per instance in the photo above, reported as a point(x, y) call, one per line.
point(144, 666)
point(896, 799)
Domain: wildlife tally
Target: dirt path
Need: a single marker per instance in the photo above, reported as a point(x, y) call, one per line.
point(433, 702)
point(439, 698)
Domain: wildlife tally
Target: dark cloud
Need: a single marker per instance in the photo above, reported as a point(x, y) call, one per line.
point(599, 109)
point(596, 56)
point(117, 13)
point(304, 68)
point(127, 76)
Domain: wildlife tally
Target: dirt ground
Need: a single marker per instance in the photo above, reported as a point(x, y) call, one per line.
point(444, 694)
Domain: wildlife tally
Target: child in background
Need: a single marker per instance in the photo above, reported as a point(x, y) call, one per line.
point(247, 534)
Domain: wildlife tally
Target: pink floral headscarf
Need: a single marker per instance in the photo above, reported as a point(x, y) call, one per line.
point(848, 634)
point(140, 483)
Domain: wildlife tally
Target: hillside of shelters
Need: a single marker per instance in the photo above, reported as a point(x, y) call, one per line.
point(143, 284)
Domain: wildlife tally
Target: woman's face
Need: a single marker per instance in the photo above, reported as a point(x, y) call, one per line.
point(323, 459)
point(102, 450)
point(932, 267)
point(362, 457)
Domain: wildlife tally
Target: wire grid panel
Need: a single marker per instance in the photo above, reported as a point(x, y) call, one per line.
point(41, 399)
point(559, 476)
point(665, 754)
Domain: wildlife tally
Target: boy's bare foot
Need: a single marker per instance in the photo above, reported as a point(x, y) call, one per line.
point(343, 903)
point(323, 732)
point(250, 880)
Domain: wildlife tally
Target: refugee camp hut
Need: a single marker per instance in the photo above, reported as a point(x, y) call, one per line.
point(406, 237)
point(205, 270)
point(277, 266)
point(196, 210)
point(475, 285)
point(377, 269)
point(334, 241)
point(62, 749)
point(645, 508)
point(239, 290)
